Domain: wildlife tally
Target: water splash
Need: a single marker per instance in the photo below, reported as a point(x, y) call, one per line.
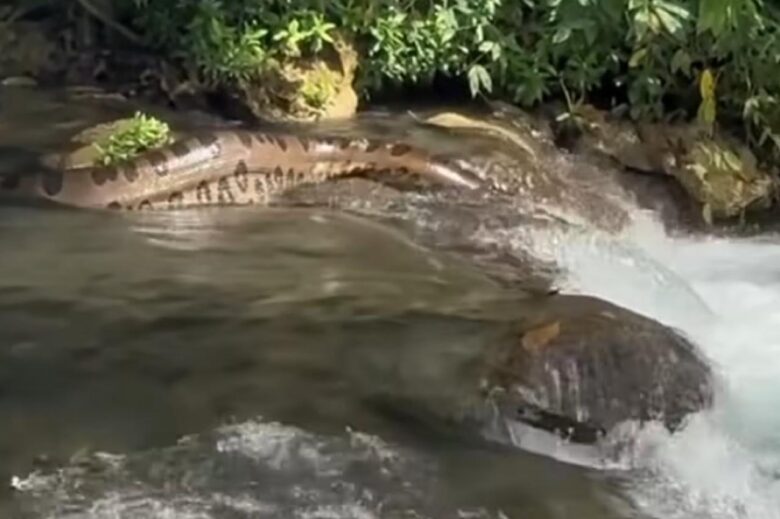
point(723, 293)
point(251, 469)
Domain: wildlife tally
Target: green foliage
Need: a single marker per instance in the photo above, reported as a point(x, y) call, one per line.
point(653, 51)
point(139, 134)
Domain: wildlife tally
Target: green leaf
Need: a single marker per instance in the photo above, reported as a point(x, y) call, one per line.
point(479, 79)
point(681, 62)
point(713, 16)
point(637, 57)
point(561, 35)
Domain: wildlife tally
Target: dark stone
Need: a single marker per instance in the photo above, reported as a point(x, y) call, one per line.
point(581, 366)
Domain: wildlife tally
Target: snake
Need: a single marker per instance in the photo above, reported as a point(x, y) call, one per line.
point(232, 167)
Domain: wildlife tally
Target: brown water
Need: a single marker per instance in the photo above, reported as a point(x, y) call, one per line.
point(252, 330)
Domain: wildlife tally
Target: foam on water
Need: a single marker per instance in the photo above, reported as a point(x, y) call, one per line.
point(252, 469)
point(723, 293)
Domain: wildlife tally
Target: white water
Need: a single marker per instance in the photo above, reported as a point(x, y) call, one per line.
point(724, 294)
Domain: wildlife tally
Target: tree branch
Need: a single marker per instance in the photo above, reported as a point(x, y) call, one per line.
point(110, 22)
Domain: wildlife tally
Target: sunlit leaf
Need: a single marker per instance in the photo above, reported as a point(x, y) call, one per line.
point(681, 62)
point(713, 16)
point(479, 80)
point(637, 57)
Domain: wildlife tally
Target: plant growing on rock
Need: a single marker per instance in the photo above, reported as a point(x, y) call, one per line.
point(136, 135)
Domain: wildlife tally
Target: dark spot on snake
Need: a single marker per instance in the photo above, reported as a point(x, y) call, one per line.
point(130, 171)
point(159, 162)
point(245, 139)
point(282, 143)
point(224, 193)
point(260, 187)
point(344, 143)
point(115, 206)
point(261, 138)
point(102, 175)
point(180, 148)
point(373, 146)
point(145, 205)
point(10, 181)
point(305, 143)
point(400, 149)
point(441, 158)
point(176, 200)
point(241, 174)
point(203, 192)
point(278, 174)
point(207, 139)
point(291, 177)
point(52, 182)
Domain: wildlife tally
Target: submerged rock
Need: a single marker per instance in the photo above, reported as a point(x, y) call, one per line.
point(583, 366)
point(517, 158)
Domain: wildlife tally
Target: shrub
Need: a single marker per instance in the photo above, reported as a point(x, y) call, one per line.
point(657, 55)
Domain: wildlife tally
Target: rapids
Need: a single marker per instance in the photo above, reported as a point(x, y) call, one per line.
point(724, 293)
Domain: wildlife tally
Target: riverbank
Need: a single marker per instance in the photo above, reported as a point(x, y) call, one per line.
point(729, 185)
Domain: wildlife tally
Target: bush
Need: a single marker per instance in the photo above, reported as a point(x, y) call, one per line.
point(660, 57)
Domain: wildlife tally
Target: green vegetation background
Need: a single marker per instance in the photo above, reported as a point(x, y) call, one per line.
point(715, 59)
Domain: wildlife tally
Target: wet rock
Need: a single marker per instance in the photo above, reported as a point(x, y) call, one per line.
point(591, 130)
point(718, 172)
point(581, 366)
point(19, 81)
point(520, 159)
point(28, 49)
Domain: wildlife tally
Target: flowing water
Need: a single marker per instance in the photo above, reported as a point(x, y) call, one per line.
point(202, 364)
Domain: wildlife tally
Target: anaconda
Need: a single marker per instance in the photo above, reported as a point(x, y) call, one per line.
point(236, 167)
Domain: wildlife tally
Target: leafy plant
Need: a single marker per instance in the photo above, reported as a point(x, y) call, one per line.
point(650, 54)
point(139, 134)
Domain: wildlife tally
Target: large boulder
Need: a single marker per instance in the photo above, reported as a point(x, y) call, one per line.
point(573, 366)
point(581, 366)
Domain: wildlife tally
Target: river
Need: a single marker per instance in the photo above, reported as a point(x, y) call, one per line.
point(198, 364)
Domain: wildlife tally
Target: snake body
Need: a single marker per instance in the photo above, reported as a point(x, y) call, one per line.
point(235, 167)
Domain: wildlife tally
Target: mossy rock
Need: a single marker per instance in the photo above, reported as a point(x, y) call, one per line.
point(306, 89)
point(723, 176)
point(719, 172)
